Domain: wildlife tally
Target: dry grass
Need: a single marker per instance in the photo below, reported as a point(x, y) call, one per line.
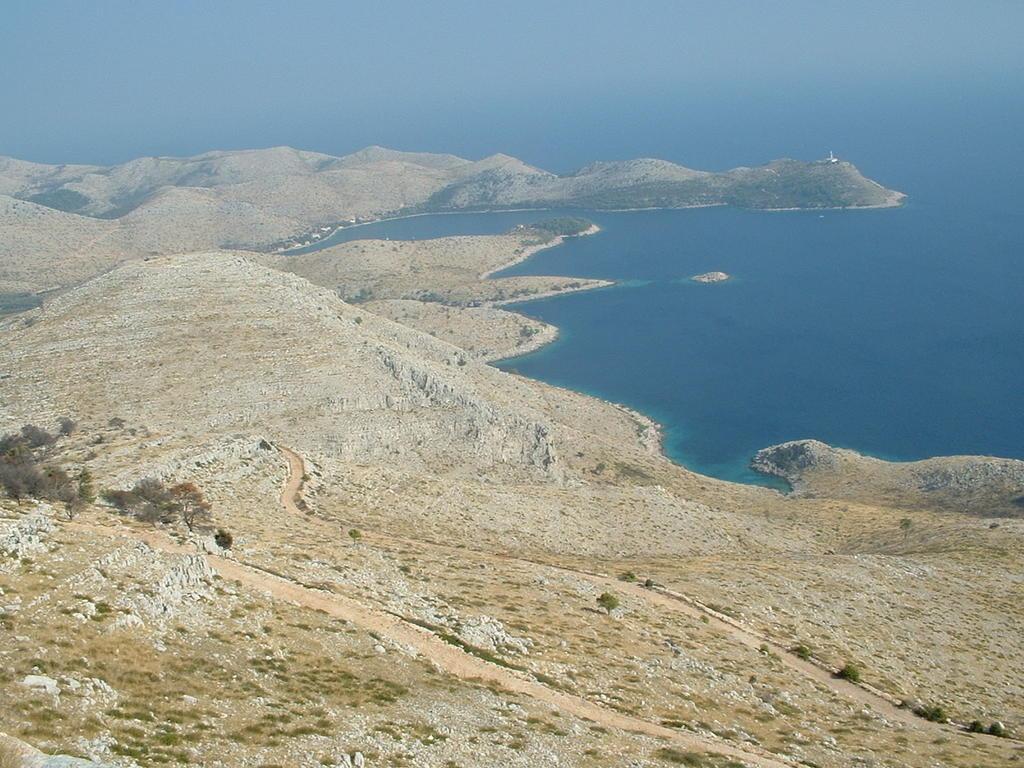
point(10, 755)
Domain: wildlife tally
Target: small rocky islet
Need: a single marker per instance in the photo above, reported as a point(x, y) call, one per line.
point(711, 277)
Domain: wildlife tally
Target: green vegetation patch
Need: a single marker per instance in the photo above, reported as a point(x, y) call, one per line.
point(62, 199)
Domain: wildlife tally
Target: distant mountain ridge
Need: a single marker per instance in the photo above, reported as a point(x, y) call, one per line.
point(264, 198)
point(440, 182)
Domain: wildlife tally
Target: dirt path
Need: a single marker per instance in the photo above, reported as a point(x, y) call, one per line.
point(813, 669)
point(444, 656)
point(290, 493)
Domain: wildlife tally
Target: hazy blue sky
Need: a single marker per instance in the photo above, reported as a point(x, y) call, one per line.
point(107, 81)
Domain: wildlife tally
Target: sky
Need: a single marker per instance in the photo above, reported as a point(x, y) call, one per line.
point(556, 83)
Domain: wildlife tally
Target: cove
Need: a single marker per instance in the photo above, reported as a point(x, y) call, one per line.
point(883, 331)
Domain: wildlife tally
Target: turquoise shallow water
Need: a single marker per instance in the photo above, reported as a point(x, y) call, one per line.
point(899, 333)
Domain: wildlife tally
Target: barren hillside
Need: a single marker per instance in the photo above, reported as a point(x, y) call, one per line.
point(461, 621)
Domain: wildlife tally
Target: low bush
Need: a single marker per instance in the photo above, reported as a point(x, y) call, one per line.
point(223, 538)
point(933, 712)
point(802, 651)
point(849, 672)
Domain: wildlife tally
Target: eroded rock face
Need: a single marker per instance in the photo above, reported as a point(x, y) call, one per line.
point(187, 580)
point(497, 435)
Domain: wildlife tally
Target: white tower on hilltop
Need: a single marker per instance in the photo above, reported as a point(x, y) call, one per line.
point(832, 158)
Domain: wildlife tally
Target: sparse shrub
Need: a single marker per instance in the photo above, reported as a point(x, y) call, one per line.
point(116, 423)
point(976, 726)
point(627, 576)
point(120, 500)
point(649, 583)
point(10, 756)
point(906, 524)
point(20, 478)
point(37, 437)
point(849, 672)
point(801, 651)
point(608, 601)
point(997, 729)
point(66, 426)
point(223, 538)
point(933, 712)
point(680, 757)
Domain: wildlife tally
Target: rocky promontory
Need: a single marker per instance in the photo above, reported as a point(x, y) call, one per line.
point(978, 485)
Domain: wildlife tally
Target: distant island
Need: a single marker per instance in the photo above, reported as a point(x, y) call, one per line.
point(711, 277)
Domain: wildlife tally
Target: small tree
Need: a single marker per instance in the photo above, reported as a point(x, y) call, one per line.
point(355, 534)
point(189, 502)
point(58, 486)
point(76, 495)
point(608, 601)
point(86, 487)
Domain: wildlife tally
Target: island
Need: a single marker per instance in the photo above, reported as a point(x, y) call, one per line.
point(711, 277)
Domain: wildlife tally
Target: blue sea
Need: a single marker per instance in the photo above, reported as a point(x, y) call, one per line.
point(898, 333)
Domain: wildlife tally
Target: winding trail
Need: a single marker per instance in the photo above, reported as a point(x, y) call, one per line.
point(811, 668)
point(423, 642)
point(466, 666)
